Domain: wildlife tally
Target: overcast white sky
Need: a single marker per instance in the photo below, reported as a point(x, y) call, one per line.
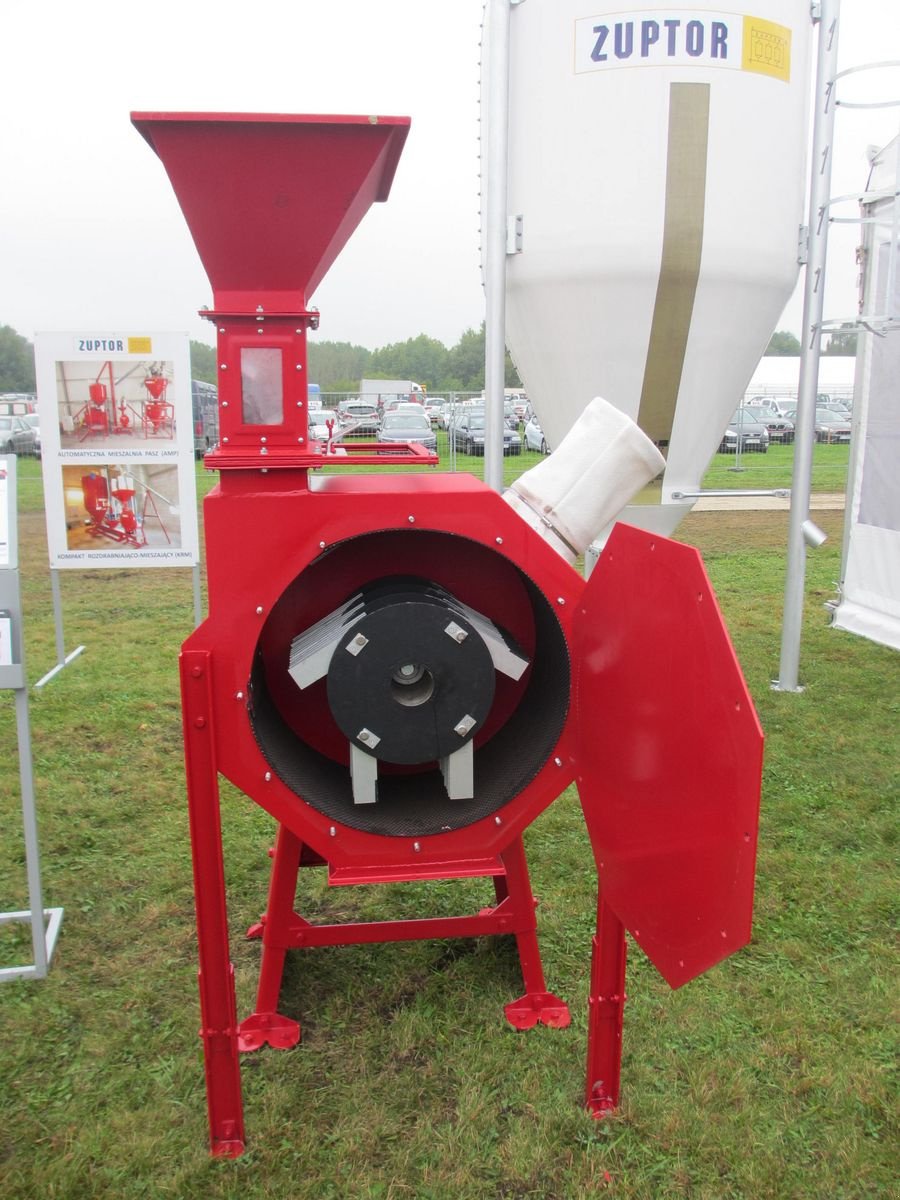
point(91, 237)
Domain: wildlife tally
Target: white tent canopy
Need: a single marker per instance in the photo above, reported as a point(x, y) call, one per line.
point(870, 575)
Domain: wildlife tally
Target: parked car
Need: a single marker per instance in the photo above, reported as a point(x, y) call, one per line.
point(829, 426)
point(751, 435)
point(408, 425)
point(16, 437)
point(445, 416)
point(17, 404)
point(33, 420)
point(360, 416)
point(534, 436)
point(837, 406)
point(779, 427)
point(467, 433)
point(782, 405)
point(433, 409)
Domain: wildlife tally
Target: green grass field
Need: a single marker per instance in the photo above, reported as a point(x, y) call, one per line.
point(769, 470)
point(770, 1077)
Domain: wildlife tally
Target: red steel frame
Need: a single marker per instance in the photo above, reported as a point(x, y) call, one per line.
point(660, 734)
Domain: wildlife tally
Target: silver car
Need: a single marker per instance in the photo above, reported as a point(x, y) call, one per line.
point(534, 436)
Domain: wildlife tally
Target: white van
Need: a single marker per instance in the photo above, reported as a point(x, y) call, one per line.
point(780, 405)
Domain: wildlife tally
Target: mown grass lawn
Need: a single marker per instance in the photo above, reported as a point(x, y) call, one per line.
point(772, 1076)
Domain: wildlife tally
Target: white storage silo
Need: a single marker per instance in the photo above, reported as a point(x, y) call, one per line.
point(657, 161)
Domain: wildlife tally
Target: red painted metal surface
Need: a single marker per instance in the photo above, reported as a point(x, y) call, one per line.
point(632, 676)
point(283, 929)
point(606, 1012)
point(669, 754)
point(216, 976)
point(272, 199)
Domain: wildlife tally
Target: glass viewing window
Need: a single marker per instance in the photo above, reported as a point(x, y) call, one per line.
point(262, 392)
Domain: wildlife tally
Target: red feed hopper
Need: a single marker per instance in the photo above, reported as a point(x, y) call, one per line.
point(403, 673)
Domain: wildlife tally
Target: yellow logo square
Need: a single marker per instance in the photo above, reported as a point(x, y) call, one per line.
point(140, 345)
point(767, 48)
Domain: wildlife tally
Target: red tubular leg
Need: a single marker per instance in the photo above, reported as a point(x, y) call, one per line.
point(216, 975)
point(537, 1004)
point(606, 1007)
point(265, 1024)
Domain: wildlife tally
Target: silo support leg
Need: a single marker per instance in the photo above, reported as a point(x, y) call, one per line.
point(537, 1004)
point(606, 1007)
point(216, 976)
point(266, 1024)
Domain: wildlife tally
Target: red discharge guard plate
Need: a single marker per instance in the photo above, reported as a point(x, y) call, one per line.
point(669, 754)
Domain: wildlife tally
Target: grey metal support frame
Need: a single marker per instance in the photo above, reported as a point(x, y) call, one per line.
point(45, 922)
point(62, 659)
point(494, 176)
point(810, 348)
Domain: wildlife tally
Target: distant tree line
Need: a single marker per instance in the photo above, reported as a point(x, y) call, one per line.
point(339, 366)
point(841, 343)
point(16, 362)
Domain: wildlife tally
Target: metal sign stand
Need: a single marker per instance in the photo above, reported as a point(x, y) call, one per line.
point(45, 922)
point(62, 659)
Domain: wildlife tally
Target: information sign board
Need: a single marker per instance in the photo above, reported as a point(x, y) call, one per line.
point(117, 446)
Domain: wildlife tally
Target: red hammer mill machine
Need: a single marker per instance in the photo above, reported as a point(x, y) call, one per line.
point(404, 672)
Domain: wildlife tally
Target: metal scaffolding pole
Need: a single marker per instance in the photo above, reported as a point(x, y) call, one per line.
point(495, 68)
point(800, 529)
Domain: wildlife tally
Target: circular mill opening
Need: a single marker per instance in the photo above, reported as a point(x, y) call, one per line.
point(308, 749)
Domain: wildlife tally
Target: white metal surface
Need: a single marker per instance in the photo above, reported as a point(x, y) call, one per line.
point(12, 677)
point(619, 159)
point(810, 346)
point(494, 141)
point(869, 602)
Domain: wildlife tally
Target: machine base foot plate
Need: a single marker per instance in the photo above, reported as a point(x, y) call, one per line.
point(536, 1007)
point(260, 1029)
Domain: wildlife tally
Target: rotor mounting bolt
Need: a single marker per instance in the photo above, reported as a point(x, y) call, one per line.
point(558, 761)
point(238, 695)
point(560, 600)
point(411, 519)
point(321, 545)
point(497, 821)
point(465, 726)
point(332, 832)
point(499, 541)
point(456, 632)
point(368, 738)
point(417, 846)
point(263, 440)
point(356, 644)
point(259, 610)
point(267, 777)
